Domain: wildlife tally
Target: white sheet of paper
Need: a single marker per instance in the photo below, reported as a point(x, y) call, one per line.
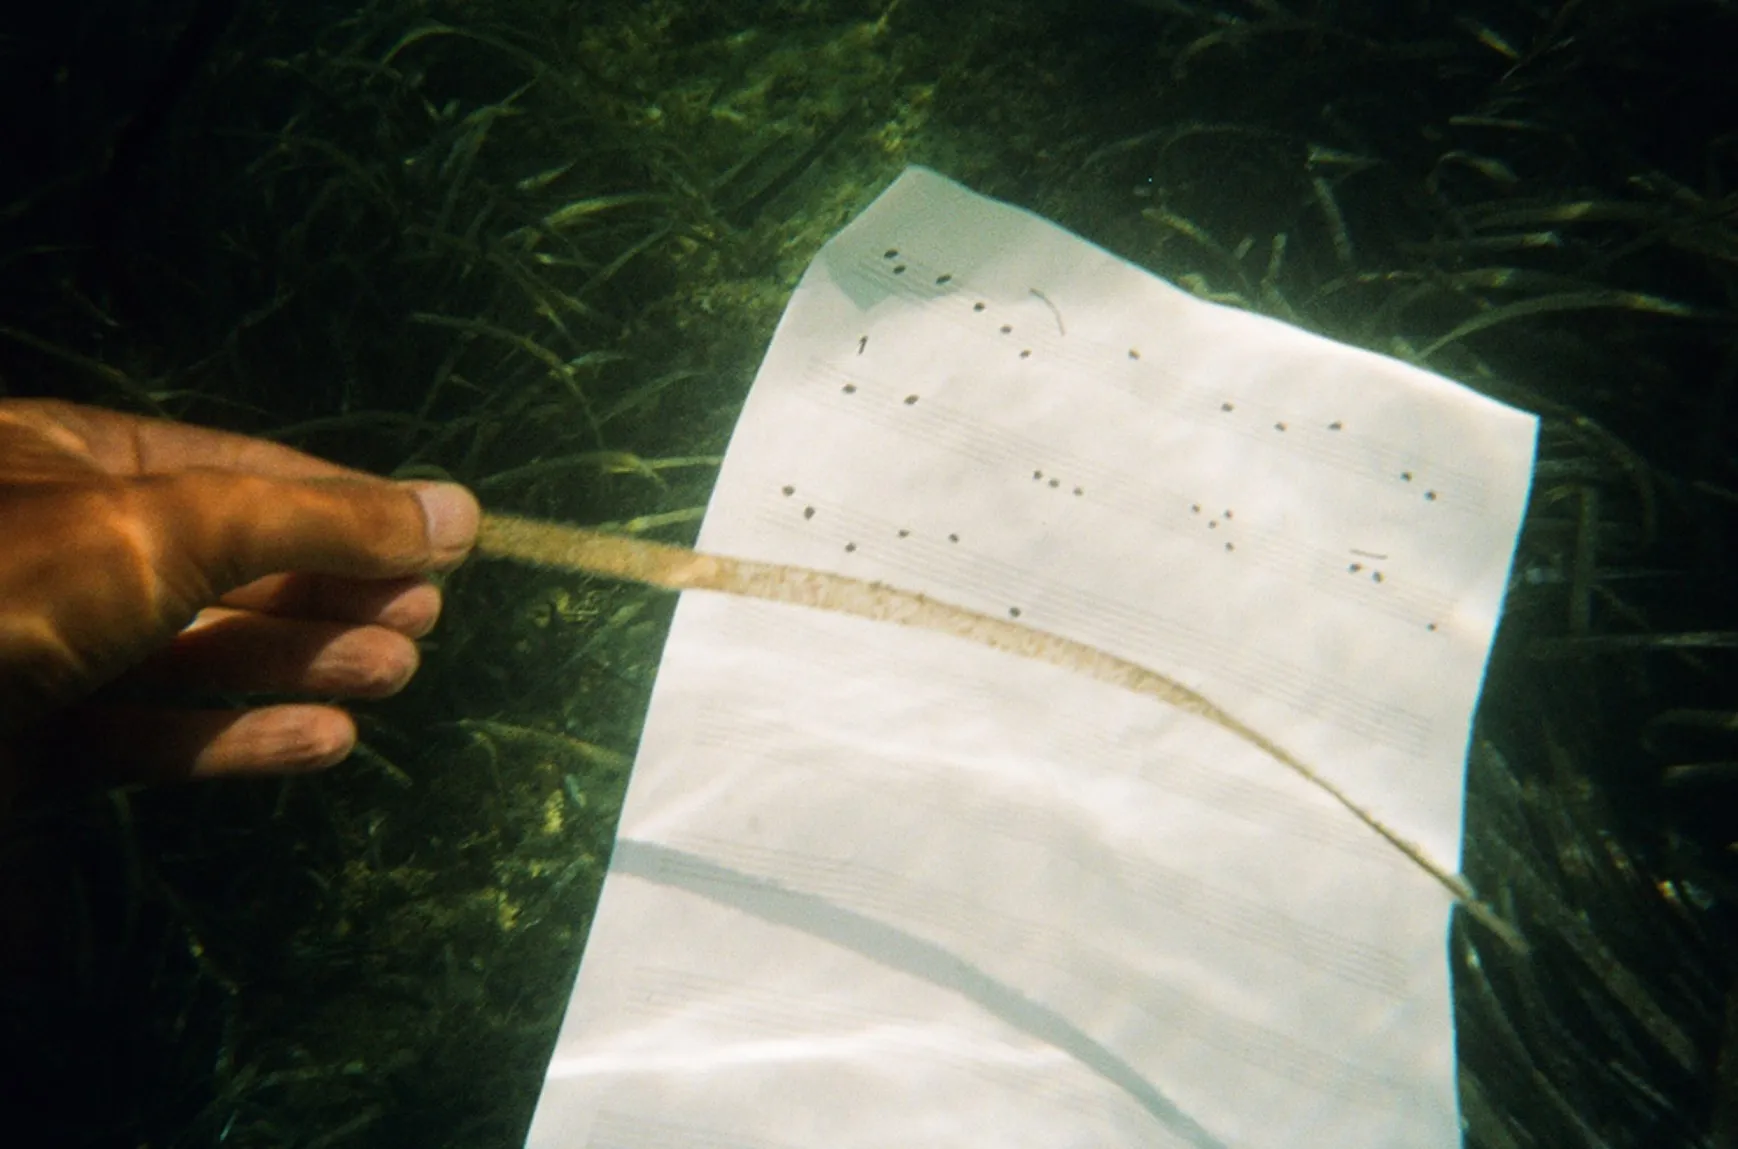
point(877, 887)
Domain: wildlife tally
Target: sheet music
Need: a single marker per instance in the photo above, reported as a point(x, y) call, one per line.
point(876, 887)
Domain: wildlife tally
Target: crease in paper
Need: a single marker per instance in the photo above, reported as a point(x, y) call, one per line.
point(880, 887)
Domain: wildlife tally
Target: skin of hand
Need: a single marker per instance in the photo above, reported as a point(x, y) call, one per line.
point(142, 557)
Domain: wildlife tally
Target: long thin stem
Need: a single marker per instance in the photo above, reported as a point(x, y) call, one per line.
point(564, 547)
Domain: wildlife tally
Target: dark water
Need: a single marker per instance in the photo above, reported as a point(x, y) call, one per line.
point(540, 246)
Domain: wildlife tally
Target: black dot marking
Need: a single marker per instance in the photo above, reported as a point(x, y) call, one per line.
point(1078, 491)
point(849, 388)
point(1225, 407)
point(1212, 524)
point(1230, 546)
point(788, 489)
point(1430, 496)
point(1430, 626)
point(1279, 426)
point(890, 253)
point(1054, 483)
point(1336, 425)
point(1013, 612)
point(1007, 329)
point(1228, 512)
point(1406, 476)
point(862, 342)
point(904, 532)
point(808, 512)
point(1026, 354)
point(1036, 475)
point(978, 306)
point(899, 269)
point(1194, 508)
point(1375, 576)
point(953, 538)
point(1133, 353)
point(849, 547)
point(911, 400)
point(943, 279)
point(1354, 568)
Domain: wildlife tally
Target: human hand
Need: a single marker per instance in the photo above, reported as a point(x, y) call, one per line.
point(144, 555)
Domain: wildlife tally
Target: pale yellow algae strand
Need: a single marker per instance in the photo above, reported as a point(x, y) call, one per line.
point(577, 549)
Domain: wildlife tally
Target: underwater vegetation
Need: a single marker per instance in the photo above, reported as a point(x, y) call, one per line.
point(539, 246)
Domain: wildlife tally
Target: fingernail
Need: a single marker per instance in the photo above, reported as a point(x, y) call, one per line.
point(452, 514)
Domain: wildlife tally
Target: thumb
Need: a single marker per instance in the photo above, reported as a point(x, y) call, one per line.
point(217, 530)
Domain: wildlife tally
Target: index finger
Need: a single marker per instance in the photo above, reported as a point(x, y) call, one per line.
point(125, 444)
